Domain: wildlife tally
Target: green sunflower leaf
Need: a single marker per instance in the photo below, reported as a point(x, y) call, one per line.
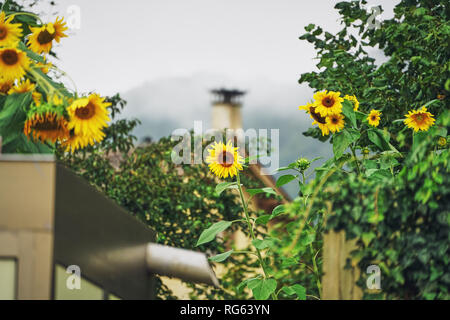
point(253, 192)
point(221, 187)
point(262, 288)
point(285, 180)
point(349, 113)
point(210, 234)
point(343, 140)
point(221, 257)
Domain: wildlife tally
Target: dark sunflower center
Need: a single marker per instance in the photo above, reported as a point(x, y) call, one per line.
point(328, 102)
point(3, 33)
point(47, 125)
point(419, 117)
point(10, 57)
point(45, 37)
point(334, 120)
point(226, 159)
point(4, 88)
point(373, 118)
point(316, 116)
point(86, 112)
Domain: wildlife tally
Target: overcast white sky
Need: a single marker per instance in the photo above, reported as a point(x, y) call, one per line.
point(164, 55)
point(122, 44)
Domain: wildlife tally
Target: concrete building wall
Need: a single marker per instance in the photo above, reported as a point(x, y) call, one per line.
point(26, 223)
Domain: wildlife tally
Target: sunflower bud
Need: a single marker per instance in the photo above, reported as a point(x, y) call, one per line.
point(303, 164)
point(442, 142)
point(365, 151)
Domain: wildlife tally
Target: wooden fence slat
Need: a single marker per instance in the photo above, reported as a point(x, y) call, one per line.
point(339, 283)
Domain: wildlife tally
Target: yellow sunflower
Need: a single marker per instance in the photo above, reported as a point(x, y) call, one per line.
point(353, 100)
point(10, 33)
point(37, 98)
point(55, 100)
point(13, 63)
point(44, 67)
point(419, 119)
point(22, 87)
point(335, 122)
point(46, 123)
point(88, 115)
point(374, 118)
point(75, 142)
point(328, 103)
point(5, 86)
point(224, 160)
point(41, 39)
point(318, 119)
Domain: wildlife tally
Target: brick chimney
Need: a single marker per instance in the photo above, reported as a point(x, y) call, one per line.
point(226, 113)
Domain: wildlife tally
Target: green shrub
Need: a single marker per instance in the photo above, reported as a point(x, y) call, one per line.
point(392, 196)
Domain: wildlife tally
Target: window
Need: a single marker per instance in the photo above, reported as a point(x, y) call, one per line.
point(8, 278)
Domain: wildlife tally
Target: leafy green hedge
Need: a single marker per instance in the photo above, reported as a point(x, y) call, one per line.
point(397, 203)
point(417, 67)
point(402, 223)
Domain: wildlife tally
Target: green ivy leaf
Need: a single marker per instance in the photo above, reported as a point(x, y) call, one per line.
point(367, 237)
point(288, 262)
point(309, 27)
point(210, 234)
point(296, 289)
point(306, 239)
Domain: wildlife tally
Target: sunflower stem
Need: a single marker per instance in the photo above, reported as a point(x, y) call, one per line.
point(45, 85)
point(68, 77)
point(252, 233)
point(311, 248)
point(356, 160)
point(305, 199)
point(26, 14)
point(316, 270)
